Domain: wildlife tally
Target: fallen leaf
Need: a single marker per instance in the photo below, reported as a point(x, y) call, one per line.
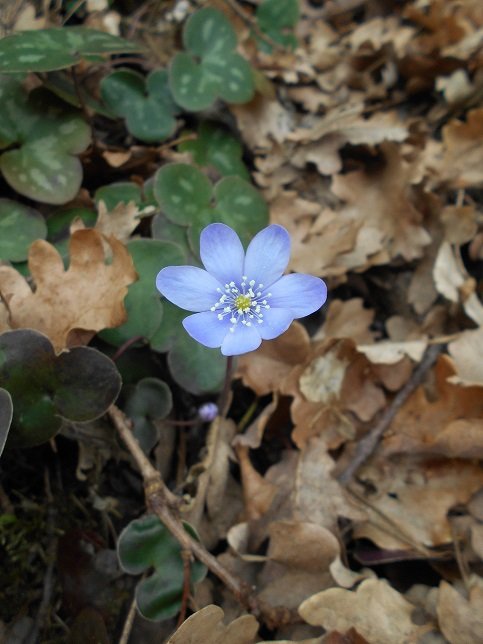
point(87, 297)
point(377, 611)
point(206, 626)
point(459, 618)
point(120, 222)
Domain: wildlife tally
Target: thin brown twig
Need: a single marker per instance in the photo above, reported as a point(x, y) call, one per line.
point(186, 556)
point(162, 502)
point(368, 444)
point(224, 398)
point(128, 623)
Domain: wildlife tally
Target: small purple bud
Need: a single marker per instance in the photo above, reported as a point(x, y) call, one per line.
point(208, 412)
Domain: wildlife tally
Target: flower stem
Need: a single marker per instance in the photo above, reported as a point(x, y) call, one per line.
point(224, 400)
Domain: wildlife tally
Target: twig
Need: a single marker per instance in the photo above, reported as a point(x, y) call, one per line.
point(251, 22)
point(186, 556)
point(128, 624)
point(48, 585)
point(162, 502)
point(124, 347)
point(368, 444)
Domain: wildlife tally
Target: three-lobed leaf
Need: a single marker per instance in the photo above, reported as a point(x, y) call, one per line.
point(19, 227)
point(146, 543)
point(211, 68)
point(146, 104)
point(149, 400)
point(78, 385)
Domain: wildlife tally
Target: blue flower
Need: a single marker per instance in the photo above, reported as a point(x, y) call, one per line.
point(241, 299)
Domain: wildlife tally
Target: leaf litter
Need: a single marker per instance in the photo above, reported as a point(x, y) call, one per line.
point(366, 143)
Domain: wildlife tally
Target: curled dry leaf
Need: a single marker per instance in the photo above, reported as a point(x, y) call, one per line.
point(377, 611)
point(467, 352)
point(120, 222)
point(455, 284)
point(206, 625)
point(85, 298)
point(460, 618)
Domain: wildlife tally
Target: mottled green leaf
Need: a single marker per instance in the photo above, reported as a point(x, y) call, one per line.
point(143, 303)
point(211, 68)
point(19, 227)
point(146, 104)
point(216, 146)
point(45, 50)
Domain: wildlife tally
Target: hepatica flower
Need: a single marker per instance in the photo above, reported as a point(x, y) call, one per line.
point(241, 299)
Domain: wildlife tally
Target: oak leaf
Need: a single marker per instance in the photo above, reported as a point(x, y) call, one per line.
point(70, 306)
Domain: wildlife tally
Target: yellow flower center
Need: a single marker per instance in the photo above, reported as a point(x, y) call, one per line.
point(243, 303)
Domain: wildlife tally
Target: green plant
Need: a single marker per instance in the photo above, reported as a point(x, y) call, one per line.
point(211, 68)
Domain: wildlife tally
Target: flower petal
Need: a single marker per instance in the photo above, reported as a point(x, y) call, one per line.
point(242, 340)
point(207, 329)
point(302, 294)
point(188, 287)
point(267, 255)
point(275, 322)
point(222, 252)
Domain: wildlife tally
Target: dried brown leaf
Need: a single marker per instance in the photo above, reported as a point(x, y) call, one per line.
point(87, 297)
point(206, 626)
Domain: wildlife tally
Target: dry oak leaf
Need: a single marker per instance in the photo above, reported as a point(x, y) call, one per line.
point(119, 222)
point(378, 612)
point(206, 627)
point(448, 423)
point(70, 306)
point(319, 237)
point(452, 281)
point(462, 162)
point(333, 380)
point(348, 319)
point(383, 203)
point(410, 499)
point(264, 370)
point(461, 619)
point(467, 354)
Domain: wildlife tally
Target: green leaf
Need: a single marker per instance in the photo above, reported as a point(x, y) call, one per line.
point(218, 70)
point(58, 226)
point(149, 400)
point(50, 135)
point(217, 147)
point(185, 195)
point(145, 543)
point(45, 50)
point(194, 367)
point(19, 227)
point(182, 191)
point(169, 329)
point(119, 192)
point(146, 105)
point(143, 304)
point(277, 19)
point(208, 31)
point(79, 385)
point(6, 414)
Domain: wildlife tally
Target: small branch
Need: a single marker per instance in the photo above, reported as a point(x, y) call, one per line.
point(161, 501)
point(128, 624)
point(124, 347)
point(186, 556)
point(367, 445)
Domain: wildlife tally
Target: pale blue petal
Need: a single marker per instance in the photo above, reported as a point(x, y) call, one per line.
point(222, 253)
point(302, 294)
point(275, 322)
point(188, 287)
point(207, 329)
point(267, 255)
point(242, 340)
